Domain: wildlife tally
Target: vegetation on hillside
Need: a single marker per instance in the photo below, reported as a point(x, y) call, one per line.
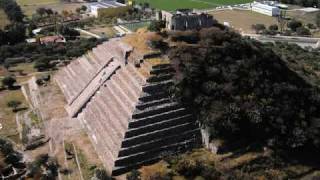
point(201, 164)
point(43, 55)
point(241, 89)
point(306, 3)
point(14, 32)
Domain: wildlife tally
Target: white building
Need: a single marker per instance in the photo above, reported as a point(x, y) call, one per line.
point(269, 10)
point(94, 7)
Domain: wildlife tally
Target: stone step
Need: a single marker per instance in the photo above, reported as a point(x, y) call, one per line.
point(159, 78)
point(116, 130)
point(118, 92)
point(134, 84)
point(100, 139)
point(134, 89)
point(108, 139)
point(136, 123)
point(154, 153)
point(156, 110)
point(90, 89)
point(156, 87)
point(125, 88)
point(102, 55)
point(144, 105)
point(146, 146)
point(83, 63)
point(147, 97)
point(133, 71)
point(158, 125)
point(158, 134)
point(69, 80)
point(157, 71)
point(92, 60)
point(119, 126)
point(107, 157)
point(161, 66)
point(115, 106)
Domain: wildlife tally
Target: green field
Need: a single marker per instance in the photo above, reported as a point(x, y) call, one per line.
point(192, 4)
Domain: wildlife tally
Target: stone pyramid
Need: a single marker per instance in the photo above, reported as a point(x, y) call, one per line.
point(121, 97)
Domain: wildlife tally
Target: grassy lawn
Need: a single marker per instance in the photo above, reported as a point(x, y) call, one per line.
point(136, 26)
point(30, 6)
point(303, 16)
point(7, 116)
point(3, 19)
point(243, 20)
point(196, 4)
point(22, 71)
point(103, 31)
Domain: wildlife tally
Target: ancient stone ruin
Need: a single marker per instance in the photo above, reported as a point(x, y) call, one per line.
point(183, 20)
point(121, 97)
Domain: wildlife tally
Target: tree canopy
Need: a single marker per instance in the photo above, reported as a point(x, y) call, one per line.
point(239, 87)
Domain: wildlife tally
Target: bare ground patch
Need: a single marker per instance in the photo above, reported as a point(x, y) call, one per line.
point(243, 20)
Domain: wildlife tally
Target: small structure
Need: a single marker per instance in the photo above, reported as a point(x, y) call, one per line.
point(106, 4)
point(52, 39)
point(269, 9)
point(185, 19)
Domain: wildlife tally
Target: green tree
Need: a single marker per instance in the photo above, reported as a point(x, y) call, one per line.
point(294, 24)
point(84, 8)
point(101, 174)
point(156, 26)
point(8, 81)
point(14, 104)
point(273, 27)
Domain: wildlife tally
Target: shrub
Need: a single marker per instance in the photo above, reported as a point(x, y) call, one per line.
point(9, 81)
point(302, 31)
point(14, 104)
point(134, 175)
point(156, 26)
point(294, 24)
point(273, 27)
point(258, 28)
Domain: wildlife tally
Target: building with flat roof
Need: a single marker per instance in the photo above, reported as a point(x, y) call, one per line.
point(265, 8)
point(106, 4)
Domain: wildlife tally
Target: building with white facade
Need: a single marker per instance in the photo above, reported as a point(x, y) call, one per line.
point(266, 9)
point(94, 7)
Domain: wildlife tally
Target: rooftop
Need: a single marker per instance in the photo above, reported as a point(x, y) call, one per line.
point(107, 4)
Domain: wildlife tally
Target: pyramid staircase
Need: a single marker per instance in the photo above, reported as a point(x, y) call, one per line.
point(131, 118)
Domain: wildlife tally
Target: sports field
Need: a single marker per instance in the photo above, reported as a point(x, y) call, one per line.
point(195, 4)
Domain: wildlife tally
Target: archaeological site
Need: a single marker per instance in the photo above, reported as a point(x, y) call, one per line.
point(119, 93)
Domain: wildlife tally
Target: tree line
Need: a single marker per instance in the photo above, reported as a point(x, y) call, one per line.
point(41, 55)
point(15, 32)
point(305, 3)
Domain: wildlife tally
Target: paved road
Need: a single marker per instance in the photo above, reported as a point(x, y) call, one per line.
point(301, 41)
